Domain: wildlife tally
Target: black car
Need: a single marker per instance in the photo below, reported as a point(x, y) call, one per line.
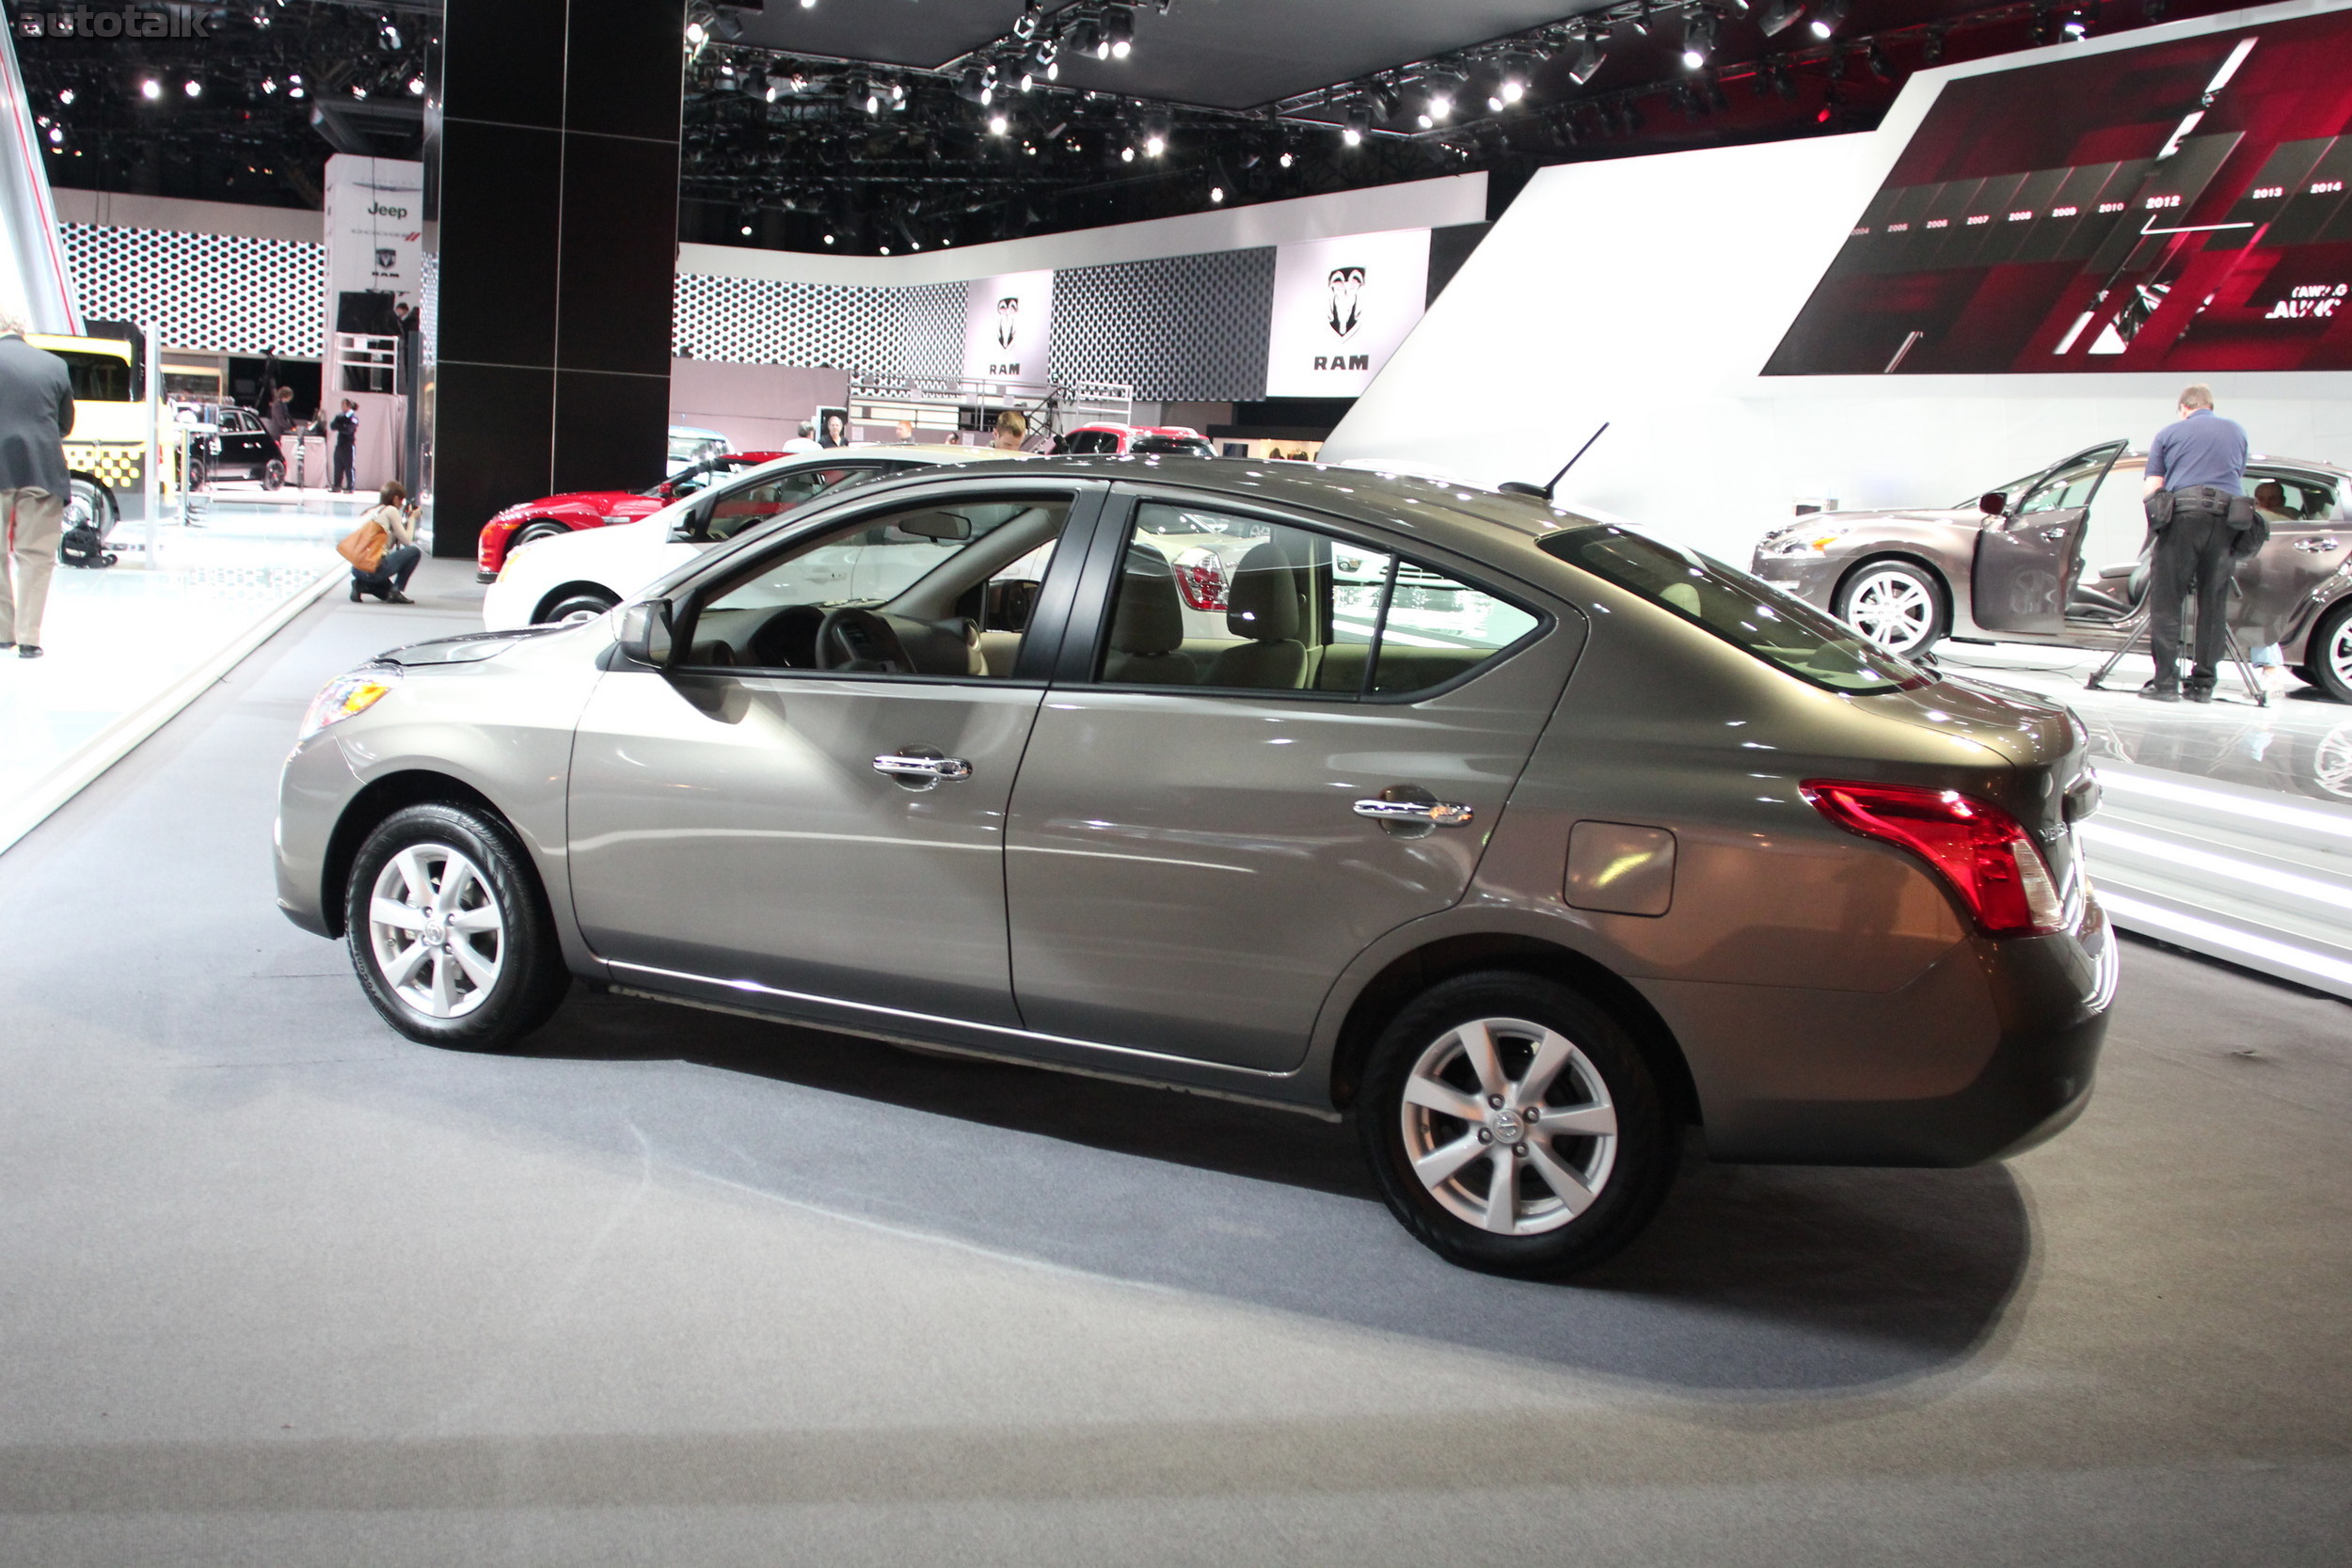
point(236, 446)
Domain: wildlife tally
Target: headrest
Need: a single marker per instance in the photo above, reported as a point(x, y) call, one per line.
point(1148, 617)
point(1262, 601)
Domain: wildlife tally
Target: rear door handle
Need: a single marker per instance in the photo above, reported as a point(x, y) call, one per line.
point(907, 765)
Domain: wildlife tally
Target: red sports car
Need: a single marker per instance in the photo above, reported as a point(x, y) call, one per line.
point(1141, 439)
point(585, 508)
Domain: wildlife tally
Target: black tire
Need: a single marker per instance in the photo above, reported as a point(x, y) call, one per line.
point(533, 532)
point(273, 475)
point(1872, 576)
point(2327, 657)
point(1632, 1173)
point(587, 603)
point(200, 471)
point(90, 502)
point(530, 977)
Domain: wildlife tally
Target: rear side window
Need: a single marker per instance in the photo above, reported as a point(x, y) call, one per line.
point(1229, 602)
point(1773, 627)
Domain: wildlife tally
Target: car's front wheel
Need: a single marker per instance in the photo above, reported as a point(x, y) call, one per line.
point(2328, 660)
point(1896, 605)
point(1515, 1127)
point(538, 531)
point(584, 604)
point(449, 930)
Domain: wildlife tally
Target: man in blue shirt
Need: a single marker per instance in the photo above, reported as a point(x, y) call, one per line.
point(2201, 459)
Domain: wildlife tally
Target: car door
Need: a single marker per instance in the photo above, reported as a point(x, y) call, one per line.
point(2028, 558)
point(1194, 854)
point(822, 831)
point(2309, 543)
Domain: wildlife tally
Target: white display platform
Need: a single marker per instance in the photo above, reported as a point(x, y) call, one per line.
point(129, 646)
point(2226, 828)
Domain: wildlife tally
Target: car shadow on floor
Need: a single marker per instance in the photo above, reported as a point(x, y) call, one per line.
point(1752, 1278)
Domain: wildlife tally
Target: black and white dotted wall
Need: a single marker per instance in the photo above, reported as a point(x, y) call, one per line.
point(762, 320)
point(1186, 328)
point(216, 293)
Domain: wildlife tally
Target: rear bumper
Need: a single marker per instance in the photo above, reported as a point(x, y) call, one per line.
point(1990, 1057)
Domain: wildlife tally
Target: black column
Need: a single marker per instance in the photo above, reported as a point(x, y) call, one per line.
point(556, 151)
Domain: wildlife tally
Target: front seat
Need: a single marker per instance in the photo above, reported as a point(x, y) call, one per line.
point(1262, 605)
point(1148, 624)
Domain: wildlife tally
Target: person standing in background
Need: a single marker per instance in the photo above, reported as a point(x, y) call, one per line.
point(36, 412)
point(346, 428)
point(2198, 464)
point(805, 441)
point(278, 418)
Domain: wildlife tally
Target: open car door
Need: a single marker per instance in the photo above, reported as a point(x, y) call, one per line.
point(2028, 557)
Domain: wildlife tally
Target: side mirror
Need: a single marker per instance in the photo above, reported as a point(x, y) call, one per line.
point(645, 632)
point(1009, 604)
point(1992, 503)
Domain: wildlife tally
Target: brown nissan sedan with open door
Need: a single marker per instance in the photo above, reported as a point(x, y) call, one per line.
point(1536, 845)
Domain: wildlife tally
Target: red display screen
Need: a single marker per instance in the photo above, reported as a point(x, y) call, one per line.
point(2185, 206)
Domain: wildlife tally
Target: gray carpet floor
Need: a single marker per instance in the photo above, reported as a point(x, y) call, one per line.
point(278, 1287)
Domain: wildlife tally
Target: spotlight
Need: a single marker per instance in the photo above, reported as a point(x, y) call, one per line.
point(1778, 16)
point(358, 92)
point(1286, 160)
point(1442, 89)
point(269, 86)
point(1084, 37)
point(1126, 155)
point(416, 86)
point(1358, 122)
point(150, 89)
point(1154, 146)
point(747, 229)
point(1118, 31)
point(1588, 61)
point(971, 86)
point(389, 34)
point(1828, 15)
point(1217, 195)
point(2076, 25)
point(294, 88)
point(1875, 57)
point(57, 136)
point(1698, 38)
point(829, 239)
point(1026, 26)
point(65, 95)
point(1931, 50)
point(999, 124)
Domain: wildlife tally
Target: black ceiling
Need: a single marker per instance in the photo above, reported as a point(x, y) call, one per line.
point(1220, 53)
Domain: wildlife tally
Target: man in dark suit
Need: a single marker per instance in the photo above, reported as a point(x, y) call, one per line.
point(346, 428)
point(36, 412)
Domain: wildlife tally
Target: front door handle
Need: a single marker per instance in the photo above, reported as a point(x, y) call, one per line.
point(2315, 545)
point(1437, 813)
point(2053, 534)
point(914, 765)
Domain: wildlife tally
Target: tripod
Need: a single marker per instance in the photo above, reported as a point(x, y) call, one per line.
point(2229, 638)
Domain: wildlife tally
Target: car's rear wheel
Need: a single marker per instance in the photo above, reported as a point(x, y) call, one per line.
point(2328, 657)
point(1515, 1127)
point(1898, 606)
point(90, 504)
point(584, 604)
point(449, 930)
point(273, 474)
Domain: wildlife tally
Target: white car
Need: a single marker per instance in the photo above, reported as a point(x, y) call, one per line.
point(689, 445)
point(578, 576)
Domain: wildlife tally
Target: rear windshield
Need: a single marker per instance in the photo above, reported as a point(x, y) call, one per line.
point(1744, 612)
point(1192, 445)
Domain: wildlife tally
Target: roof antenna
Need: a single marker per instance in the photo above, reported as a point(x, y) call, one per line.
point(1543, 492)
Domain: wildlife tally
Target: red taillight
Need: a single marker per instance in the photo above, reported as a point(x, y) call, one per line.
point(1989, 860)
point(1200, 578)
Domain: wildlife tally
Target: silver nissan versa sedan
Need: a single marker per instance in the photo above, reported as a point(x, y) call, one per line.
point(1533, 841)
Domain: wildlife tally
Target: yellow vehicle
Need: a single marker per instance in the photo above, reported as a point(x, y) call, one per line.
point(106, 450)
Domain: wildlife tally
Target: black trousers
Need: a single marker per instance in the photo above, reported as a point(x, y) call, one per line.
point(2192, 557)
point(343, 479)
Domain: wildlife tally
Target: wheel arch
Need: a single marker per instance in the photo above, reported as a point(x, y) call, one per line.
point(106, 490)
point(1410, 974)
point(379, 800)
point(555, 595)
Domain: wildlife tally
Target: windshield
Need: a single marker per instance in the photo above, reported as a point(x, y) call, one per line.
point(97, 378)
point(1773, 627)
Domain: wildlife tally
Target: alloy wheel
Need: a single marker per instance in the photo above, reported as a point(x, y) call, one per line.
point(1509, 1126)
point(2339, 653)
point(437, 930)
point(1892, 608)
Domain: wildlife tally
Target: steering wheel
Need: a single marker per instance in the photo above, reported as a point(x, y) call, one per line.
point(854, 637)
